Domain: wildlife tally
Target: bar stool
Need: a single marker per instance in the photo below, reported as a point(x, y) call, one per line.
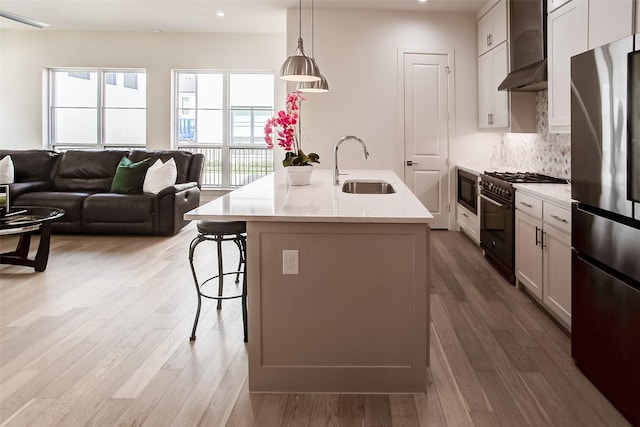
point(221, 231)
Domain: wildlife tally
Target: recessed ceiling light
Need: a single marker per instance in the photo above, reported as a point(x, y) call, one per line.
point(220, 14)
point(422, 1)
point(155, 30)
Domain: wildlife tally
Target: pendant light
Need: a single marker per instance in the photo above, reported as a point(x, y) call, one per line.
point(299, 67)
point(318, 85)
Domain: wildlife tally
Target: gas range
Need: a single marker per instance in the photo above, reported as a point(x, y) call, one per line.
point(497, 215)
point(501, 183)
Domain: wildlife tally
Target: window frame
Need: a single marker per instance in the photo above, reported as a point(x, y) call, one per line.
point(100, 108)
point(226, 147)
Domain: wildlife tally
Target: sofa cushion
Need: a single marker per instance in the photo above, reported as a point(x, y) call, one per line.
point(118, 208)
point(129, 176)
point(32, 165)
point(7, 173)
point(160, 175)
point(87, 171)
point(182, 159)
point(70, 202)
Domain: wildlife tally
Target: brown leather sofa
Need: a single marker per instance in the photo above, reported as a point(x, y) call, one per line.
point(80, 182)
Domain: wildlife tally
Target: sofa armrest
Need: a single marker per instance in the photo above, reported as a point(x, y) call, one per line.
point(171, 204)
point(176, 188)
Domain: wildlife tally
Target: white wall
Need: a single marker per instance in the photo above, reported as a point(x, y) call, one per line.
point(24, 54)
point(357, 51)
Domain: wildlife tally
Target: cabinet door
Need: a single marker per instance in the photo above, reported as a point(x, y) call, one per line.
point(567, 36)
point(557, 273)
point(493, 105)
point(499, 13)
point(529, 253)
point(484, 33)
point(609, 21)
point(500, 97)
point(485, 90)
point(492, 28)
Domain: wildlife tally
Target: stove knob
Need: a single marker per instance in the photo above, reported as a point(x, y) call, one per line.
point(507, 193)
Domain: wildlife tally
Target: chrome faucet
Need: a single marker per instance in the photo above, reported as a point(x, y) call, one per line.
point(336, 172)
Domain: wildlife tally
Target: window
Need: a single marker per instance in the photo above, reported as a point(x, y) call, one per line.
point(222, 115)
point(110, 78)
point(95, 109)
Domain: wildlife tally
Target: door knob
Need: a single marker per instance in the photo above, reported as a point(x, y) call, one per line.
point(410, 163)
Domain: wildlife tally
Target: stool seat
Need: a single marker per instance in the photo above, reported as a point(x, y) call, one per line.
point(219, 232)
point(222, 227)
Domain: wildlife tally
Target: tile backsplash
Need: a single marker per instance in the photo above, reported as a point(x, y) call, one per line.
point(542, 152)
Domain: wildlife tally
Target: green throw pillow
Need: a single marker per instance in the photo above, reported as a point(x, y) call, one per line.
point(129, 176)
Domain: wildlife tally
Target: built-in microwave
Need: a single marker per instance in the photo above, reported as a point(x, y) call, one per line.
point(468, 190)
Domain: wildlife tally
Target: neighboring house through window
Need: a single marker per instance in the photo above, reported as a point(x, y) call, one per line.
point(222, 115)
point(97, 109)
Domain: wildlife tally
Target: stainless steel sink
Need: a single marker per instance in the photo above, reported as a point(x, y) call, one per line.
point(367, 187)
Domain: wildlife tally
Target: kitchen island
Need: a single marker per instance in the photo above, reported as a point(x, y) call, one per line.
point(355, 317)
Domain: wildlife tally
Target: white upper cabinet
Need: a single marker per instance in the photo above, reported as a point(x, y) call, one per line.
point(609, 20)
point(567, 35)
point(574, 27)
point(493, 105)
point(492, 27)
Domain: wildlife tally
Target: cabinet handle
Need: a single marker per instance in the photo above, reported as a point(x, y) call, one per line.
point(526, 204)
point(542, 240)
point(465, 215)
point(557, 218)
point(489, 39)
point(490, 118)
point(537, 241)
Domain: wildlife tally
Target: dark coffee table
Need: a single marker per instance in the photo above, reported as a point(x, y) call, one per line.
point(31, 221)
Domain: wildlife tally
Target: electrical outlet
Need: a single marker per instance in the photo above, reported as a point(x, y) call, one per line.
point(307, 137)
point(289, 261)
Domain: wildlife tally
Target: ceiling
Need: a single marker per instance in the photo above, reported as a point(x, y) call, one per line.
point(241, 16)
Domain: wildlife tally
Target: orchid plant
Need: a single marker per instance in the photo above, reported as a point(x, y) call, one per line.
point(285, 129)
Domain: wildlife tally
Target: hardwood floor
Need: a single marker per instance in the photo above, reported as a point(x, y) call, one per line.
point(101, 338)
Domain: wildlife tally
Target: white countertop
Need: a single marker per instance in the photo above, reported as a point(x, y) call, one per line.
point(272, 199)
point(555, 193)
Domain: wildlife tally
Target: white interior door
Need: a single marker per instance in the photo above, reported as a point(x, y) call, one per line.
point(426, 132)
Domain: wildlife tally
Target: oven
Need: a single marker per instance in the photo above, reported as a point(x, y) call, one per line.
point(497, 216)
point(468, 191)
point(497, 232)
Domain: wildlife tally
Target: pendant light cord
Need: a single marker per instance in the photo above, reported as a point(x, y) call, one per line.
point(300, 20)
point(313, 29)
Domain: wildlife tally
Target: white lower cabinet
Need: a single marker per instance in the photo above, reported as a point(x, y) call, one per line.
point(468, 222)
point(556, 262)
point(543, 253)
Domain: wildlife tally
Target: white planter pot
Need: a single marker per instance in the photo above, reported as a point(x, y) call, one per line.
point(299, 175)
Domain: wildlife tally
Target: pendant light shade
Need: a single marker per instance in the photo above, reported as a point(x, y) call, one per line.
point(316, 86)
point(299, 67)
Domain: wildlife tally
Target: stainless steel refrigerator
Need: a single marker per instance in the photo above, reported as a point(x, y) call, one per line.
point(605, 184)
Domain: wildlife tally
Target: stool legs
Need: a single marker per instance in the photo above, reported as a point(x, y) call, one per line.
point(220, 272)
point(192, 248)
point(241, 243)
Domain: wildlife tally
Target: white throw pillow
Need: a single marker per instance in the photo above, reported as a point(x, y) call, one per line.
point(7, 171)
point(160, 175)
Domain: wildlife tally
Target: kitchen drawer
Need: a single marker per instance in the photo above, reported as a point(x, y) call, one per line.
point(529, 204)
point(468, 222)
point(557, 217)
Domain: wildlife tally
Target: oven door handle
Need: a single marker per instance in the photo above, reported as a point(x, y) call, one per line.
point(491, 201)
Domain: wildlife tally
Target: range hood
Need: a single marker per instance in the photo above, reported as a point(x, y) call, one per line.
point(527, 46)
